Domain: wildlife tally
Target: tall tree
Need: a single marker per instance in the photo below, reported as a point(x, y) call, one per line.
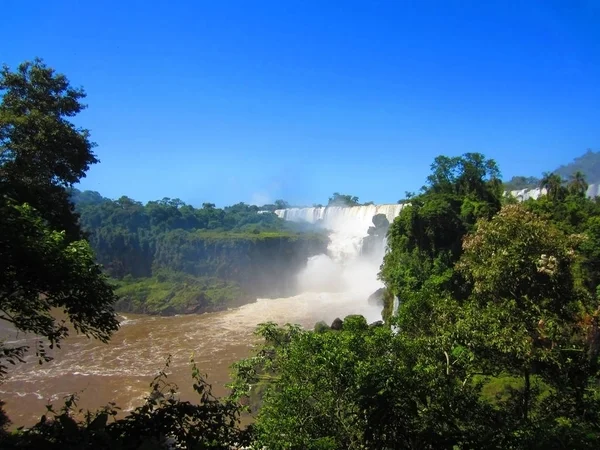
point(529, 317)
point(41, 151)
point(426, 238)
point(577, 184)
point(45, 264)
point(553, 184)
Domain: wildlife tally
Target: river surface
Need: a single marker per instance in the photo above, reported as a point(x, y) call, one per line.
point(334, 285)
point(121, 370)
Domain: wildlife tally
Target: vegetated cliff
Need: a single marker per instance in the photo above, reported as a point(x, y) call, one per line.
point(200, 271)
point(168, 257)
point(264, 265)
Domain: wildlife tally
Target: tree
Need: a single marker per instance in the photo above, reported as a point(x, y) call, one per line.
point(41, 151)
point(528, 317)
point(471, 173)
point(506, 298)
point(520, 182)
point(342, 200)
point(553, 184)
point(281, 204)
point(577, 184)
point(358, 387)
point(425, 240)
point(42, 271)
point(45, 263)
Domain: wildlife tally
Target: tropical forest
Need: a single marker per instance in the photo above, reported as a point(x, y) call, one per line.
point(300, 225)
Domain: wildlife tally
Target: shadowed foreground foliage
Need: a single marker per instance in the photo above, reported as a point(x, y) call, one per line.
point(163, 421)
point(45, 264)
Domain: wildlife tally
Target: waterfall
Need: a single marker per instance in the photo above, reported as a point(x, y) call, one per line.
point(344, 269)
point(593, 190)
point(348, 225)
point(395, 306)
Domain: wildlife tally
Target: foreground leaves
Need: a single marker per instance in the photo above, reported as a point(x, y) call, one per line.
point(163, 421)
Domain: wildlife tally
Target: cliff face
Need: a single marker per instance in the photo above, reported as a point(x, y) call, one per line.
point(264, 265)
point(195, 272)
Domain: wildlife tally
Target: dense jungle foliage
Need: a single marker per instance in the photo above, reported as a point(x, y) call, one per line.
point(495, 343)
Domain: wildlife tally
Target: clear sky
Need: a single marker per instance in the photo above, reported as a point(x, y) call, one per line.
point(229, 101)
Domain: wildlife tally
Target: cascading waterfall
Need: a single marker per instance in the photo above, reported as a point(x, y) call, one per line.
point(348, 225)
point(344, 269)
point(593, 191)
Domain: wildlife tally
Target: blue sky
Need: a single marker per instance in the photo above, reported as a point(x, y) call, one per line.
point(229, 101)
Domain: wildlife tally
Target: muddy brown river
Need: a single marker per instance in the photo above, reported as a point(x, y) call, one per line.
point(121, 370)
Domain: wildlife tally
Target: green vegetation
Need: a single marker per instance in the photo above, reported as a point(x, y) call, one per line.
point(517, 183)
point(174, 292)
point(236, 253)
point(279, 204)
point(338, 199)
point(44, 262)
point(495, 343)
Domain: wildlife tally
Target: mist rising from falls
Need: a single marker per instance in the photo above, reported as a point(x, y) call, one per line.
point(345, 269)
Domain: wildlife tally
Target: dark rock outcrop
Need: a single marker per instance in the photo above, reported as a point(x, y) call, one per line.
point(337, 324)
point(376, 298)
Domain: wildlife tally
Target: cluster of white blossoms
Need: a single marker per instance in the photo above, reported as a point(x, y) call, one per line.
point(547, 264)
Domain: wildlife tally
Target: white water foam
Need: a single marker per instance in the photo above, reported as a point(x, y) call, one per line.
point(344, 270)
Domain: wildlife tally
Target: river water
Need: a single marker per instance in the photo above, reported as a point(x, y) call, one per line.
point(121, 370)
point(334, 285)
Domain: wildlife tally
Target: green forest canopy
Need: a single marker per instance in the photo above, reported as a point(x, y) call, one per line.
point(495, 343)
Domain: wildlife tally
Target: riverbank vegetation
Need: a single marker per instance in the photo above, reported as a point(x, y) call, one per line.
point(227, 256)
point(495, 343)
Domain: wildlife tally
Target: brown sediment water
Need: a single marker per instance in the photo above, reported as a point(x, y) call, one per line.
point(121, 370)
point(334, 285)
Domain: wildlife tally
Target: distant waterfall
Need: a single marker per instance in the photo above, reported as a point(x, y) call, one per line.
point(593, 190)
point(336, 215)
point(348, 225)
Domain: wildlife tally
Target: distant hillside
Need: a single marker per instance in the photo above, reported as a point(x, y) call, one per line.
point(588, 163)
